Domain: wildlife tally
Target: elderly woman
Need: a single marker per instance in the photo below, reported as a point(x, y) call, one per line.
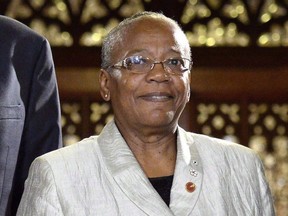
point(143, 163)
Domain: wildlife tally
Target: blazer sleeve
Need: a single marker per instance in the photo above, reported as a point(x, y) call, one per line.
point(266, 200)
point(40, 195)
point(42, 128)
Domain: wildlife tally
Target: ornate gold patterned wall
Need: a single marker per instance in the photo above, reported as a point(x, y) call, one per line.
point(207, 23)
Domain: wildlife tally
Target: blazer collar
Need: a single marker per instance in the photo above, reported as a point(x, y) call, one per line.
point(188, 170)
point(129, 176)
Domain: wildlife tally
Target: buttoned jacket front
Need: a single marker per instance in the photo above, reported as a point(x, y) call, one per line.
point(100, 176)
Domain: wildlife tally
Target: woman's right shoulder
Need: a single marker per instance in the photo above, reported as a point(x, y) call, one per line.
point(84, 150)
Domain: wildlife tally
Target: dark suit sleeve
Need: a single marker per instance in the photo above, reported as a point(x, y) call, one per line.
point(42, 128)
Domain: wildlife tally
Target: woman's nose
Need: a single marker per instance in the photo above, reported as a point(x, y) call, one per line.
point(158, 73)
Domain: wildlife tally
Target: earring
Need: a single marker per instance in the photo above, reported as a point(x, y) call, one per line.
point(106, 95)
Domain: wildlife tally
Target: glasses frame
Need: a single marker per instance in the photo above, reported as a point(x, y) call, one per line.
point(123, 64)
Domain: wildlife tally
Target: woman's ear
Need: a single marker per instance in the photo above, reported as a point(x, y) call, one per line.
point(104, 81)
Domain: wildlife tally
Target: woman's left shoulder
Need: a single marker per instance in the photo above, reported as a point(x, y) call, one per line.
point(216, 147)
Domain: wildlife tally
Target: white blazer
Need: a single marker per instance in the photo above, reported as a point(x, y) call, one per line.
point(100, 176)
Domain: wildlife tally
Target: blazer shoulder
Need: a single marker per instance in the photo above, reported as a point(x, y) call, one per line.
point(215, 147)
point(82, 150)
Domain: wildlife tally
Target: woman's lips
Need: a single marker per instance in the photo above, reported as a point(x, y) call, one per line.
point(157, 97)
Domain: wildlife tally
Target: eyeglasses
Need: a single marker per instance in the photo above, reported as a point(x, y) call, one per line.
point(140, 64)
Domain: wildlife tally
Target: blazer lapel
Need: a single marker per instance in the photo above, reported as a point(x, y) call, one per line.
point(188, 176)
point(128, 174)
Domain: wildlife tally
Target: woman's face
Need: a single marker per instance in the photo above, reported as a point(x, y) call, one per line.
point(156, 98)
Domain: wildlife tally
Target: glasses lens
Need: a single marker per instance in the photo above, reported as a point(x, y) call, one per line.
point(137, 64)
point(177, 64)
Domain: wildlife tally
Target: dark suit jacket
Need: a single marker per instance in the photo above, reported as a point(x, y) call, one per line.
point(29, 107)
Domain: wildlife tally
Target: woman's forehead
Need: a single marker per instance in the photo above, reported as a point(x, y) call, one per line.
point(148, 35)
point(149, 24)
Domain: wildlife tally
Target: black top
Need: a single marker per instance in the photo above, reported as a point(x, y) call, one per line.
point(163, 186)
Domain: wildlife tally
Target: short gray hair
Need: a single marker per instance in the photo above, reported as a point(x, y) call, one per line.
point(116, 34)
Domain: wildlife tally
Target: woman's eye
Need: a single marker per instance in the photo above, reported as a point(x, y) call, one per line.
point(134, 60)
point(137, 60)
point(174, 62)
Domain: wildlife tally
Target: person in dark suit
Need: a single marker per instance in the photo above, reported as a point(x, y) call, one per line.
point(29, 107)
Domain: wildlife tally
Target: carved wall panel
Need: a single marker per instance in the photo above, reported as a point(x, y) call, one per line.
point(207, 22)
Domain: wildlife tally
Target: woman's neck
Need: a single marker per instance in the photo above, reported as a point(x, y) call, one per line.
point(155, 152)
